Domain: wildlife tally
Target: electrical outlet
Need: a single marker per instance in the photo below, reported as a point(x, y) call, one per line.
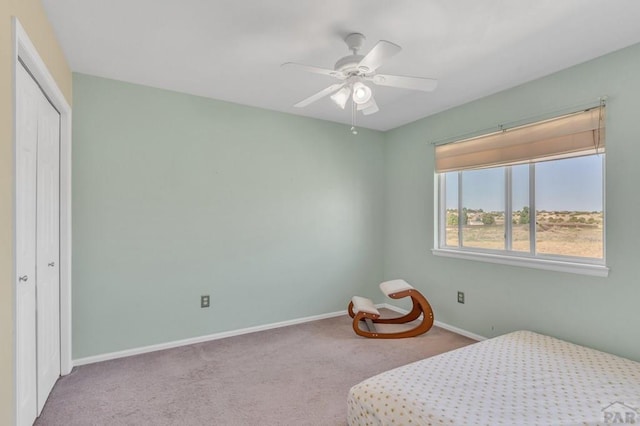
point(204, 301)
point(460, 297)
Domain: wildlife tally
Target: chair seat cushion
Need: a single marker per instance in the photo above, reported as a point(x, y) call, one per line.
point(394, 286)
point(362, 304)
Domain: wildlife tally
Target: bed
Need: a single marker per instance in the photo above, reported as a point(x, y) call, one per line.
point(520, 378)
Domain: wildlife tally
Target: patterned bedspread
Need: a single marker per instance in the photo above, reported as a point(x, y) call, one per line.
point(521, 378)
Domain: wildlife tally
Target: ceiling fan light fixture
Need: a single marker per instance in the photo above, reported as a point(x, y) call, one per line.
point(361, 93)
point(341, 96)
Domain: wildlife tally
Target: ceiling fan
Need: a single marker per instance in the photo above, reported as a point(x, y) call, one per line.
point(354, 71)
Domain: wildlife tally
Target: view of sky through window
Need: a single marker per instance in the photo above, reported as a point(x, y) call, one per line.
point(570, 184)
point(573, 184)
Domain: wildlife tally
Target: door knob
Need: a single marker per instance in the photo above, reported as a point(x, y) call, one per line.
point(52, 264)
point(23, 278)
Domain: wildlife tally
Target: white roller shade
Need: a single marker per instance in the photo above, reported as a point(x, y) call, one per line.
point(575, 134)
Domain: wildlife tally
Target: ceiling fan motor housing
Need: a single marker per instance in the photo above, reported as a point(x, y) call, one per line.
point(349, 64)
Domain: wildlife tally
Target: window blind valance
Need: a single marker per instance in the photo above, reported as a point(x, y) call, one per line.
point(580, 133)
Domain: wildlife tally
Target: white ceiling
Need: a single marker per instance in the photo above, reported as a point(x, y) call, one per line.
point(232, 49)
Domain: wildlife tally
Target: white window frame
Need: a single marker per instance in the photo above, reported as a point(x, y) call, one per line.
point(559, 263)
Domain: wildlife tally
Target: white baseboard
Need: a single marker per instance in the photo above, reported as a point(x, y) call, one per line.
point(459, 331)
point(200, 339)
point(437, 323)
point(393, 308)
point(224, 334)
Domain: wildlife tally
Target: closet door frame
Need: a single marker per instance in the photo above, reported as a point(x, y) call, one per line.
point(25, 52)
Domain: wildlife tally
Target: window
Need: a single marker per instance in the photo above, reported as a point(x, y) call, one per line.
point(543, 208)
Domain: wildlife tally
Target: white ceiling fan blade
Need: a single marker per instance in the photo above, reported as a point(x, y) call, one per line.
point(321, 94)
point(316, 70)
point(369, 107)
point(382, 51)
point(405, 82)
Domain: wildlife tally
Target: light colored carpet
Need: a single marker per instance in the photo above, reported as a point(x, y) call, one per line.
point(297, 375)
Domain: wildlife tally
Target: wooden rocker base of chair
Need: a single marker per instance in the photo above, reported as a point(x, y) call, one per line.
point(420, 307)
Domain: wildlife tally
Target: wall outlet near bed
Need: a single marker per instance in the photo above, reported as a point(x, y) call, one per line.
point(460, 297)
point(204, 301)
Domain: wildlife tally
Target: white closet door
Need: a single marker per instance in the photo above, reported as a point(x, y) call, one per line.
point(37, 248)
point(47, 250)
point(26, 159)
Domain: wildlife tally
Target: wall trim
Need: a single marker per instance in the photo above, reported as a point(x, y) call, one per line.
point(460, 331)
point(201, 339)
point(437, 323)
point(224, 334)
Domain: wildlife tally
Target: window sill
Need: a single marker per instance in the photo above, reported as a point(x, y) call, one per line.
point(549, 265)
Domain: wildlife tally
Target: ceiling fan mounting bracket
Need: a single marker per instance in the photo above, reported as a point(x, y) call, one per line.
point(355, 41)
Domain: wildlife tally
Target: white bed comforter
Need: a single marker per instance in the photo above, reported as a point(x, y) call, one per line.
point(521, 378)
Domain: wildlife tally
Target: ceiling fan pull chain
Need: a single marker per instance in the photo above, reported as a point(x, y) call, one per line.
point(353, 118)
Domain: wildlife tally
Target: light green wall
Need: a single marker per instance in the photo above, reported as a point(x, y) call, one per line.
point(599, 312)
point(275, 216)
point(279, 217)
